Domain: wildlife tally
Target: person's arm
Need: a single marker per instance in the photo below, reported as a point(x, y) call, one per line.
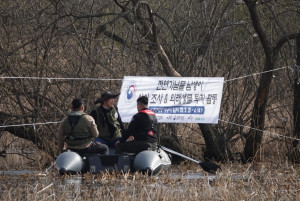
point(120, 121)
point(94, 114)
point(131, 128)
point(92, 126)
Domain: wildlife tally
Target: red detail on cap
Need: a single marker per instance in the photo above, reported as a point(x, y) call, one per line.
point(147, 112)
point(150, 133)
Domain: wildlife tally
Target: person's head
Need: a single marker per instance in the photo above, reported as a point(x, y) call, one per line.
point(142, 102)
point(77, 105)
point(107, 99)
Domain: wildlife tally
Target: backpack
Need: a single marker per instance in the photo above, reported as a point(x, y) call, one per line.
point(73, 120)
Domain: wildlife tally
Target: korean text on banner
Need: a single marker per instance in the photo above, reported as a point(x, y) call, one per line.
point(174, 99)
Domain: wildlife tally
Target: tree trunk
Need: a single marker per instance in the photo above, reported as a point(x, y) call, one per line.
point(294, 155)
point(254, 137)
point(297, 93)
point(216, 145)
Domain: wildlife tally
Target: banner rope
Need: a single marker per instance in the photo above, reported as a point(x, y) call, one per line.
point(228, 122)
point(110, 79)
point(251, 75)
point(267, 132)
point(62, 78)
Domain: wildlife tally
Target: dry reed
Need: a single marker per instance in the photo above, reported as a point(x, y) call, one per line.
point(236, 182)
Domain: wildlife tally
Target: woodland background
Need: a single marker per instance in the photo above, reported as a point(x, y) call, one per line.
point(108, 39)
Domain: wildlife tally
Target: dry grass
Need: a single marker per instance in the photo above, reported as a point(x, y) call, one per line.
point(271, 177)
point(184, 182)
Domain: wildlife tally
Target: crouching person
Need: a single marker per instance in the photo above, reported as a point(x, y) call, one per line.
point(79, 130)
point(142, 132)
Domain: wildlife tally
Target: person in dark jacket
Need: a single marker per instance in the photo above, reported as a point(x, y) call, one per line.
point(108, 120)
point(79, 130)
point(142, 132)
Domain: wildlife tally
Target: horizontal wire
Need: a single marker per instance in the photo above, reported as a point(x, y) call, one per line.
point(33, 124)
point(240, 125)
point(60, 78)
point(290, 67)
point(109, 79)
point(98, 79)
point(268, 132)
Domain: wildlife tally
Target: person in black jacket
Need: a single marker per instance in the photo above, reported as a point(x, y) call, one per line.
point(142, 132)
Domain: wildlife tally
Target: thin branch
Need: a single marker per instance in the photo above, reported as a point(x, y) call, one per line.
point(285, 39)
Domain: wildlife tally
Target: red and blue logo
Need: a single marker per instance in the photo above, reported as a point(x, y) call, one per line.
point(130, 92)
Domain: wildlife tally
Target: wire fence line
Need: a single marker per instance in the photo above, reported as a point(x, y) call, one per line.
point(254, 74)
point(62, 78)
point(32, 124)
point(109, 79)
point(292, 67)
point(232, 123)
point(264, 131)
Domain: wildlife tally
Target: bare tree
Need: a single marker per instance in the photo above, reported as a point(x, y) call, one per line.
point(44, 39)
point(294, 154)
point(110, 39)
point(297, 93)
point(271, 51)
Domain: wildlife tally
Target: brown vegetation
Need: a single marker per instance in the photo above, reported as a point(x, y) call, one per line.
point(22, 154)
point(255, 181)
point(53, 39)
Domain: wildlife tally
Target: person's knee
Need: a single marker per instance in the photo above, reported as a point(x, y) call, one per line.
point(98, 148)
point(105, 149)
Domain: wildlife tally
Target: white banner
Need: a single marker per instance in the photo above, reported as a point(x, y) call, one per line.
point(174, 99)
